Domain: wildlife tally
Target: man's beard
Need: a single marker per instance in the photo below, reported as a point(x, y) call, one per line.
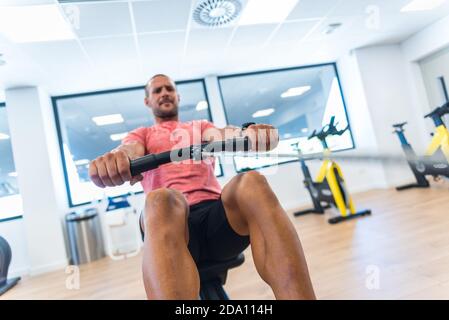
point(164, 114)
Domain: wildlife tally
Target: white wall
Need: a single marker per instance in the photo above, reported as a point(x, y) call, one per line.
point(428, 41)
point(433, 67)
point(387, 89)
point(418, 47)
point(40, 180)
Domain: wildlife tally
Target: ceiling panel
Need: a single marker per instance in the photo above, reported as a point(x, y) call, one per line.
point(293, 32)
point(162, 52)
point(204, 39)
point(64, 65)
point(60, 55)
point(19, 69)
point(161, 15)
point(347, 27)
point(252, 36)
point(205, 47)
point(368, 7)
point(116, 57)
point(306, 9)
point(99, 19)
point(24, 2)
point(161, 43)
point(106, 33)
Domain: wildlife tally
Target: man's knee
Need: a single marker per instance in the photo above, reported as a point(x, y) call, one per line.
point(165, 205)
point(244, 187)
point(253, 179)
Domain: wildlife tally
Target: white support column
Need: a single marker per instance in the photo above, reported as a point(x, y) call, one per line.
point(40, 176)
point(216, 105)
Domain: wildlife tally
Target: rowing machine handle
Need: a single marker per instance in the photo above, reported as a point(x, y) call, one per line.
point(152, 161)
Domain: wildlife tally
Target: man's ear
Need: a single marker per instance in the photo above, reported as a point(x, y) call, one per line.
point(146, 101)
point(179, 97)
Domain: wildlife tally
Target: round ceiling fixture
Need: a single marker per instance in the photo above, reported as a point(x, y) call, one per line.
point(216, 13)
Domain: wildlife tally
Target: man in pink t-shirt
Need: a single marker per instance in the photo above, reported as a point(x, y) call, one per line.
point(188, 219)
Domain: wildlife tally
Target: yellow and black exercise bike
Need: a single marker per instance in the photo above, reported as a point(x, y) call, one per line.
point(435, 162)
point(329, 188)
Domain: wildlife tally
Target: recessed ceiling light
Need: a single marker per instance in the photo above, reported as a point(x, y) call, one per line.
point(304, 130)
point(296, 91)
point(263, 113)
point(202, 105)
point(108, 119)
point(12, 174)
point(118, 136)
point(266, 11)
point(34, 23)
point(422, 5)
point(4, 136)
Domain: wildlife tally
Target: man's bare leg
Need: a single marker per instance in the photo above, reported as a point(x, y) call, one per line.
point(252, 208)
point(169, 271)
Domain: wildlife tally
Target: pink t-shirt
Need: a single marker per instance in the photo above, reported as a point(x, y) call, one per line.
point(195, 179)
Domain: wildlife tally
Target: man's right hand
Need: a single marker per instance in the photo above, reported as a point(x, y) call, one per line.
point(112, 169)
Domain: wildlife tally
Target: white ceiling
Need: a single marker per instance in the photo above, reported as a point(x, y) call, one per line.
point(122, 43)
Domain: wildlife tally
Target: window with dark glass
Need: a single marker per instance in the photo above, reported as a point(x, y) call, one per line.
point(10, 199)
point(296, 101)
point(92, 124)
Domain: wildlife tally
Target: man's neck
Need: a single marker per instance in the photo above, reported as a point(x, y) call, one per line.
point(162, 120)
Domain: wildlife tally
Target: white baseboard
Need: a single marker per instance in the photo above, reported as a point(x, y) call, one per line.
point(19, 272)
point(58, 265)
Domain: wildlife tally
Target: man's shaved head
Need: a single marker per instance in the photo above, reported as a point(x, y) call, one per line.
point(148, 84)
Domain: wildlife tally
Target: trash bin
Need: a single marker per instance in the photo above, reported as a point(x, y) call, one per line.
point(85, 236)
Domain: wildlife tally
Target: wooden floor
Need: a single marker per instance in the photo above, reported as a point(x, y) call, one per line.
point(400, 252)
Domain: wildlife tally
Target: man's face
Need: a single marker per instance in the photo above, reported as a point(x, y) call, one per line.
point(162, 97)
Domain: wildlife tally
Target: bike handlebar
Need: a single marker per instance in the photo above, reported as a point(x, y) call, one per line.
point(328, 130)
point(439, 112)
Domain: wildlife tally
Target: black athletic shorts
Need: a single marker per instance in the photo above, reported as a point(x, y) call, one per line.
point(210, 235)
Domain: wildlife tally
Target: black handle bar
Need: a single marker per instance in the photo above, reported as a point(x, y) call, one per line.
point(152, 161)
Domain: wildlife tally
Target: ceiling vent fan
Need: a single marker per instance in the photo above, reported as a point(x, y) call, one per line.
point(216, 13)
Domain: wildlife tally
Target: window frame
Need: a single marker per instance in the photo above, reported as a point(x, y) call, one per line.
point(54, 100)
point(3, 105)
point(335, 68)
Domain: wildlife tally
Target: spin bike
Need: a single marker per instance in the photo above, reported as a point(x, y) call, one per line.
point(213, 274)
point(329, 189)
point(435, 162)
